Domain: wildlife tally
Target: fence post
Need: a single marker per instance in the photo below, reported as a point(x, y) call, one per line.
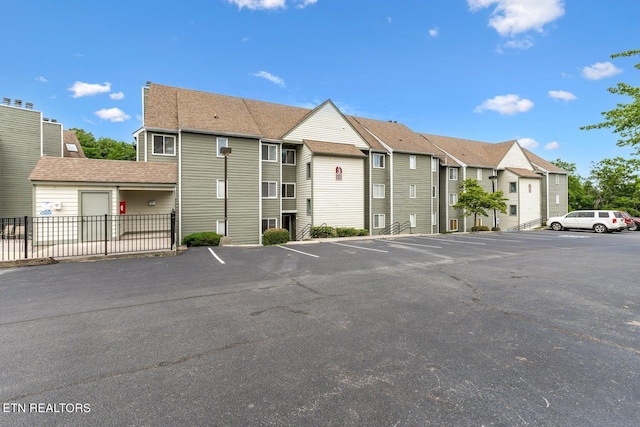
point(173, 228)
point(26, 233)
point(106, 229)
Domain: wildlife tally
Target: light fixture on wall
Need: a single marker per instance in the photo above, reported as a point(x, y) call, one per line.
point(152, 203)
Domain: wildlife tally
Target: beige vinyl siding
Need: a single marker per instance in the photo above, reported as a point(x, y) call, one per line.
point(529, 207)
point(515, 158)
point(201, 168)
point(403, 204)
point(304, 188)
point(20, 136)
point(52, 139)
point(338, 203)
point(327, 124)
point(137, 202)
point(271, 173)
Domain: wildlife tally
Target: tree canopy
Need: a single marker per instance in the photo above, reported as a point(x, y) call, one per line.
point(475, 200)
point(104, 148)
point(625, 118)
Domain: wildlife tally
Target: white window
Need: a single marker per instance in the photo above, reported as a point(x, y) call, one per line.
point(557, 179)
point(269, 152)
point(309, 170)
point(164, 145)
point(288, 156)
point(453, 225)
point(269, 189)
point(412, 220)
point(479, 174)
point(220, 143)
point(412, 161)
point(378, 221)
point(434, 164)
point(378, 191)
point(412, 191)
point(378, 161)
point(269, 223)
point(220, 227)
point(434, 191)
point(453, 199)
point(557, 199)
point(309, 207)
point(220, 186)
point(513, 210)
point(288, 190)
point(434, 218)
point(453, 174)
point(513, 187)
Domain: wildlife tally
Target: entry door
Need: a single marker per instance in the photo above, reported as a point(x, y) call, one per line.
point(289, 223)
point(94, 206)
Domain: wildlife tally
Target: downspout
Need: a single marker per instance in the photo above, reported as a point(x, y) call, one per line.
point(546, 173)
point(391, 192)
point(431, 195)
point(446, 198)
point(179, 179)
point(370, 184)
point(260, 191)
point(464, 215)
point(145, 144)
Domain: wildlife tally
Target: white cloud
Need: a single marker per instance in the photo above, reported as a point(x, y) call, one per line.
point(552, 146)
point(434, 32)
point(528, 142)
point(41, 79)
point(112, 114)
point(522, 44)
point(505, 104)
point(511, 17)
point(273, 79)
point(600, 70)
point(80, 89)
point(271, 4)
point(562, 95)
point(116, 95)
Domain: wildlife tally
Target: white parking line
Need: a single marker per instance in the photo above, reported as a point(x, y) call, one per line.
point(216, 256)
point(360, 247)
point(300, 252)
point(491, 239)
point(442, 240)
point(414, 244)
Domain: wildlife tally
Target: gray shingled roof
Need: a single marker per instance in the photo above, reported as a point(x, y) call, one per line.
point(525, 173)
point(397, 136)
point(539, 162)
point(70, 137)
point(332, 148)
point(59, 169)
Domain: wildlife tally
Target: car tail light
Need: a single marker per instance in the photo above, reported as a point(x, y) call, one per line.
point(615, 220)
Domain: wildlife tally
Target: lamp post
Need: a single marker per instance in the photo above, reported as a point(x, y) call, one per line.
point(225, 152)
point(493, 179)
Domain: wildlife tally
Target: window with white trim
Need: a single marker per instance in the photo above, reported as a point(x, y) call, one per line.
point(309, 207)
point(220, 143)
point(413, 190)
point(288, 190)
point(557, 179)
point(269, 152)
point(513, 210)
point(309, 170)
point(269, 223)
point(412, 161)
point(453, 199)
point(378, 191)
point(412, 220)
point(220, 189)
point(557, 199)
point(164, 145)
point(378, 161)
point(434, 218)
point(513, 187)
point(269, 189)
point(288, 156)
point(220, 227)
point(378, 221)
point(479, 174)
point(453, 174)
point(434, 164)
point(453, 225)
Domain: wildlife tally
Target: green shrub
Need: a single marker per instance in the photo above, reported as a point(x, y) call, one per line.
point(495, 228)
point(480, 228)
point(346, 231)
point(323, 231)
point(275, 236)
point(207, 238)
point(363, 232)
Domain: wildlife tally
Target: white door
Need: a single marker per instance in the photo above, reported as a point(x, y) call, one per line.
point(93, 208)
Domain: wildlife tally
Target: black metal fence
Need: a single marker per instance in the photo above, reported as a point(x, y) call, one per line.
point(68, 236)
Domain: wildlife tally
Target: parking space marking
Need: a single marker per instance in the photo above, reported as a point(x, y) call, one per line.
point(414, 244)
point(300, 252)
point(441, 239)
point(491, 239)
point(216, 256)
point(360, 247)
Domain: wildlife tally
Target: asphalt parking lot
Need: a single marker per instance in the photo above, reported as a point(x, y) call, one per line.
point(511, 329)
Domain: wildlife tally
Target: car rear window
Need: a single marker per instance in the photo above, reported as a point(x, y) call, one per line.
point(618, 215)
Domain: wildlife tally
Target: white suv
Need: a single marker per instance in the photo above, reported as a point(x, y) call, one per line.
point(598, 221)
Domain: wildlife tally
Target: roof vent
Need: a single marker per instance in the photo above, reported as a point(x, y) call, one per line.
point(54, 120)
point(17, 102)
point(29, 105)
point(6, 101)
point(45, 119)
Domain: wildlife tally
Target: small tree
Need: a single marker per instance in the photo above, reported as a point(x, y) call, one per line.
point(474, 200)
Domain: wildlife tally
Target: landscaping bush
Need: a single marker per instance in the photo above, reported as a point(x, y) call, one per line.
point(480, 228)
point(346, 232)
point(275, 236)
point(323, 231)
point(363, 232)
point(207, 238)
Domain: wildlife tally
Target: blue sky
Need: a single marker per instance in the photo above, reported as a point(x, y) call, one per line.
point(486, 70)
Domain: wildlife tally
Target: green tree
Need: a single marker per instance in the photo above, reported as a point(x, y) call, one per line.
point(104, 148)
point(625, 118)
point(616, 184)
point(475, 200)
